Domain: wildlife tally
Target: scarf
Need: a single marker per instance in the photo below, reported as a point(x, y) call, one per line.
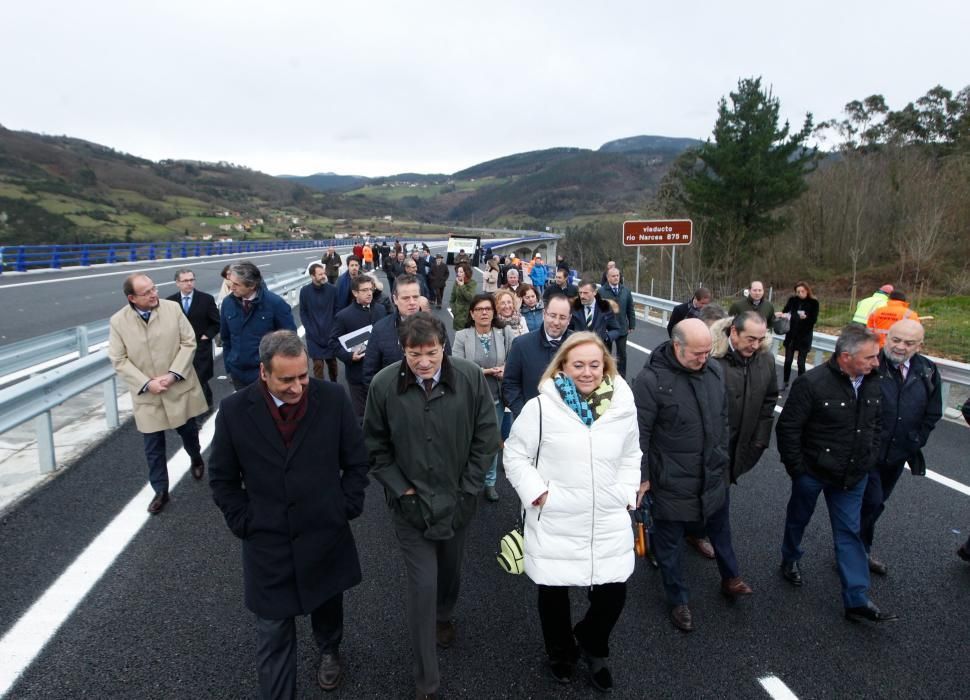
point(590, 408)
point(286, 417)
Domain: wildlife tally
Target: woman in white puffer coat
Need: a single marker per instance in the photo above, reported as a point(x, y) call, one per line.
point(576, 498)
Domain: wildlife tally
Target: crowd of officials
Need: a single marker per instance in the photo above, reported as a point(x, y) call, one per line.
point(534, 383)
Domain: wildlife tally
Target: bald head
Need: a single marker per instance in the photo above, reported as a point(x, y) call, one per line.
point(904, 339)
point(692, 343)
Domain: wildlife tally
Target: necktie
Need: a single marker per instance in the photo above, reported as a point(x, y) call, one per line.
point(247, 303)
point(616, 291)
point(903, 371)
point(589, 315)
point(556, 343)
point(145, 315)
point(366, 307)
point(185, 303)
point(428, 385)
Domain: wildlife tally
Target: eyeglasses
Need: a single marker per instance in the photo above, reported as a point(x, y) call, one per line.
point(480, 309)
point(187, 279)
point(147, 292)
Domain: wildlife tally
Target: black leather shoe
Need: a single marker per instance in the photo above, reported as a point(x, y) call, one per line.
point(330, 673)
point(963, 553)
point(445, 633)
point(561, 671)
point(161, 498)
point(791, 572)
point(877, 567)
point(870, 612)
point(680, 616)
point(198, 469)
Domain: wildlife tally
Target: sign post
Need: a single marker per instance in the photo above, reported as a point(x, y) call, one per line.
point(662, 232)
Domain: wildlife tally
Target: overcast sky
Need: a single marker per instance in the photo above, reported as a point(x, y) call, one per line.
point(376, 88)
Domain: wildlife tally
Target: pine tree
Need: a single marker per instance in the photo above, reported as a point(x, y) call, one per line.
point(738, 181)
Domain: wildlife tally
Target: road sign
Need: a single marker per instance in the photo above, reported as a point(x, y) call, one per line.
point(661, 232)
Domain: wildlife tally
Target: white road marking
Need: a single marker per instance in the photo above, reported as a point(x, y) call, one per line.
point(774, 686)
point(150, 265)
point(36, 627)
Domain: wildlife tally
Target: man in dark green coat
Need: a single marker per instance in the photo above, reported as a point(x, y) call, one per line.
point(431, 431)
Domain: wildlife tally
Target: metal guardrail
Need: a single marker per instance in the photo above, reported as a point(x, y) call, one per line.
point(60, 344)
point(20, 258)
point(35, 397)
point(951, 372)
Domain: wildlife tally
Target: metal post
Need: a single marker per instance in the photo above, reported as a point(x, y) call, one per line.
point(111, 402)
point(637, 284)
point(673, 270)
point(651, 286)
point(44, 428)
point(82, 341)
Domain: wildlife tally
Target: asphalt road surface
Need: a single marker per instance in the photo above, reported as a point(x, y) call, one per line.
point(167, 619)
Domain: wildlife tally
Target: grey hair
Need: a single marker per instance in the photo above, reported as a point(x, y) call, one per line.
point(285, 343)
point(183, 271)
point(247, 273)
point(712, 313)
point(745, 316)
point(852, 338)
point(678, 336)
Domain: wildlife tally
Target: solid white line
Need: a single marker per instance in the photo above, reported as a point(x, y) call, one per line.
point(36, 627)
point(149, 265)
point(776, 688)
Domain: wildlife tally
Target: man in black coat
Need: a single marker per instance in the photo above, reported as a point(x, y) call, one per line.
point(318, 301)
point(684, 434)
point(360, 314)
point(912, 404)
point(437, 279)
point(288, 470)
point(626, 315)
point(531, 354)
point(560, 286)
point(689, 309)
point(384, 348)
point(590, 313)
point(828, 438)
point(203, 314)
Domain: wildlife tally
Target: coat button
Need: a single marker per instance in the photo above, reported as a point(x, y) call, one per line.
point(429, 438)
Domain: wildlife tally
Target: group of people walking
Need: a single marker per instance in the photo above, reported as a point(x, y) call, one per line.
point(291, 455)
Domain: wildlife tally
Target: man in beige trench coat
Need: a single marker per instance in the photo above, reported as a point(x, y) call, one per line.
point(151, 345)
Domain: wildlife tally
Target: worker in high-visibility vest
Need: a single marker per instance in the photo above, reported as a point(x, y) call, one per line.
point(896, 309)
point(870, 304)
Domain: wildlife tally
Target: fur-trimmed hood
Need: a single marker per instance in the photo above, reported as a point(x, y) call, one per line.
point(721, 331)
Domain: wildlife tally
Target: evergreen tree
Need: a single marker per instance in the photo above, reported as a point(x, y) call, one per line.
point(738, 181)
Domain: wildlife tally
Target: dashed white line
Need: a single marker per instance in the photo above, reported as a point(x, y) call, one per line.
point(776, 688)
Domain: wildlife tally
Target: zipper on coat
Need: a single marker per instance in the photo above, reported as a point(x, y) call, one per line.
point(592, 527)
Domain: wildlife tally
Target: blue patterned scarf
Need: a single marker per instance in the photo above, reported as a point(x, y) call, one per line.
point(569, 393)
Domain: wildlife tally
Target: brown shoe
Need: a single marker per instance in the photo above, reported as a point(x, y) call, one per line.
point(735, 587)
point(702, 545)
point(330, 673)
point(445, 633)
point(161, 498)
point(680, 616)
point(198, 469)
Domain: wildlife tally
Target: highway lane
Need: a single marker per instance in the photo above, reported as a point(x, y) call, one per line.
point(41, 303)
point(167, 619)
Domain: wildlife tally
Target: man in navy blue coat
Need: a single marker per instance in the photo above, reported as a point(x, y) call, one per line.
point(531, 353)
point(384, 348)
point(249, 313)
point(360, 314)
point(613, 290)
point(318, 304)
point(590, 313)
point(288, 470)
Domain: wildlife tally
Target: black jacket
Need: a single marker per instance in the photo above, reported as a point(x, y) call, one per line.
point(684, 433)
point(626, 315)
point(352, 318)
point(826, 431)
point(800, 330)
point(680, 312)
point(204, 316)
point(604, 325)
point(910, 408)
point(384, 348)
point(317, 308)
point(571, 292)
point(438, 275)
point(752, 392)
point(293, 514)
point(527, 359)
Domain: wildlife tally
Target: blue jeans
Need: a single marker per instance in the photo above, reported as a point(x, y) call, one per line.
point(882, 481)
point(155, 452)
point(845, 507)
point(491, 476)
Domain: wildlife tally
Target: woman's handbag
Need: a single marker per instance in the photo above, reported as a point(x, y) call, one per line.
point(781, 326)
point(511, 548)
